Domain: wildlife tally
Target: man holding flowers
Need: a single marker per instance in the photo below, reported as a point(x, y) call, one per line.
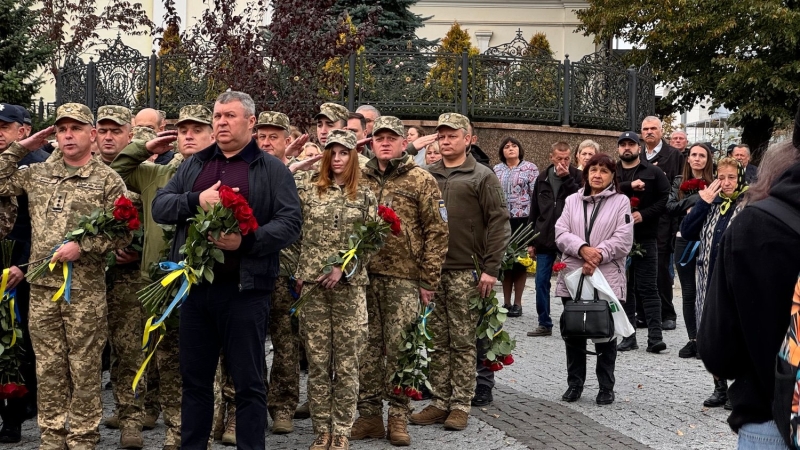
point(68, 338)
point(230, 313)
point(404, 271)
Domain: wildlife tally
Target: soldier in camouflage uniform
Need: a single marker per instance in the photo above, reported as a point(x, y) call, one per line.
point(406, 269)
point(475, 202)
point(68, 338)
point(125, 312)
point(333, 322)
point(194, 134)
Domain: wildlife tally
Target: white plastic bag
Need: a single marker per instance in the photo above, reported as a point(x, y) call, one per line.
point(622, 327)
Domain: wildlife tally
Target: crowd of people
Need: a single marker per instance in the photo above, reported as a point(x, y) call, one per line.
point(654, 209)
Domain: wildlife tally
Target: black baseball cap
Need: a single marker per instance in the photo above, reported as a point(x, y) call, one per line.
point(10, 113)
point(628, 136)
point(26, 115)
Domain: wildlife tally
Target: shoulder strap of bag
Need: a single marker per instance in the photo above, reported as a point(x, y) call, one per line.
point(781, 210)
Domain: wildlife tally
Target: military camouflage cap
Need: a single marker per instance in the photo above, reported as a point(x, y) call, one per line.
point(454, 121)
point(75, 111)
point(117, 114)
point(143, 134)
point(343, 137)
point(333, 111)
point(273, 119)
point(389, 123)
point(194, 113)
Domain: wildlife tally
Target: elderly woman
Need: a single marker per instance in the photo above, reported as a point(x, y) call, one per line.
point(585, 151)
point(698, 172)
point(595, 232)
point(706, 222)
point(517, 177)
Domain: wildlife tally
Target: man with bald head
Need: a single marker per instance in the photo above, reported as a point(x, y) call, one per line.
point(150, 118)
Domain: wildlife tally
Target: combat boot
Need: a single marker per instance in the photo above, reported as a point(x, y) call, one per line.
point(340, 443)
point(322, 442)
point(457, 420)
point(131, 438)
point(149, 419)
point(368, 427)
point(282, 424)
point(398, 431)
point(303, 411)
point(112, 422)
point(719, 396)
point(428, 416)
point(229, 436)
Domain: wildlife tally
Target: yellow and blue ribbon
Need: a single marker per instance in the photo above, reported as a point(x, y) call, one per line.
point(10, 297)
point(66, 286)
point(424, 319)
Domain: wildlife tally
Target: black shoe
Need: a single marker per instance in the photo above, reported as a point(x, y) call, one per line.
point(10, 434)
point(483, 395)
point(515, 311)
point(641, 323)
point(573, 394)
point(605, 397)
point(728, 406)
point(426, 393)
point(689, 350)
point(720, 395)
point(628, 343)
point(668, 325)
point(656, 347)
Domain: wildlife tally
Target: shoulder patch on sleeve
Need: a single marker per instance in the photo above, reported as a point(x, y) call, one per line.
point(439, 204)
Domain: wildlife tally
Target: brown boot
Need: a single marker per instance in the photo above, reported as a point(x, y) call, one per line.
point(340, 443)
point(282, 424)
point(367, 427)
point(323, 442)
point(302, 412)
point(112, 422)
point(229, 436)
point(457, 420)
point(131, 438)
point(428, 416)
point(398, 431)
point(149, 420)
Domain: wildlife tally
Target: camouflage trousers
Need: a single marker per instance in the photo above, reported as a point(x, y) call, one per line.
point(125, 329)
point(68, 340)
point(284, 375)
point(169, 385)
point(452, 371)
point(333, 326)
point(392, 304)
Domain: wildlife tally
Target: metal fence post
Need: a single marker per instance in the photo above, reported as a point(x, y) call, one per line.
point(633, 113)
point(41, 109)
point(351, 83)
point(565, 119)
point(464, 82)
point(90, 84)
point(153, 62)
point(59, 87)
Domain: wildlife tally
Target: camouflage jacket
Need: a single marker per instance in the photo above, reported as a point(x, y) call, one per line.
point(418, 253)
point(8, 215)
point(56, 201)
point(478, 217)
point(327, 226)
point(290, 255)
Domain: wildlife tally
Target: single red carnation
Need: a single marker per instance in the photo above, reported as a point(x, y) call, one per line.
point(134, 224)
point(508, 360)
point(559, 266)
point(634, 202)
point(496, 366)
point(409, 391)
point(418, 396)
point(397, 390)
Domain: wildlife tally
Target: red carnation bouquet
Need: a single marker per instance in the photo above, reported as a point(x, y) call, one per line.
point(367, 238)
point(693, 186)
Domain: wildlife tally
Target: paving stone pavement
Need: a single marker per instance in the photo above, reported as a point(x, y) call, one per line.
point(658, 404)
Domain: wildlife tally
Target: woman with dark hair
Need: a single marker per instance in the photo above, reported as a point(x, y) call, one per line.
point(698, 172)
point(334, 321)
point(517, 177)
point(706, 222)
point(595, 232)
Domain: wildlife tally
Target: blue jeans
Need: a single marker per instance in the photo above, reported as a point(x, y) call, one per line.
point(761, 436)
point(544, 269)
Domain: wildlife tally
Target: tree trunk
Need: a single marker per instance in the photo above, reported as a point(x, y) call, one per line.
point(756, 133)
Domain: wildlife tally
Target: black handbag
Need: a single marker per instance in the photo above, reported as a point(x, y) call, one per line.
point(587, 319)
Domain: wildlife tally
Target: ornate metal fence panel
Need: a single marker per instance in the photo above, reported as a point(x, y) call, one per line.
point(180, 81)
point(645, 94)
point(121, 75)
point(599, 92)
point(410, 84)
point(71, 81)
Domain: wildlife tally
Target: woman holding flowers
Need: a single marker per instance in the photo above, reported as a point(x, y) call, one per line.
point(333, 321)
point(698, 172)
point(706, 222)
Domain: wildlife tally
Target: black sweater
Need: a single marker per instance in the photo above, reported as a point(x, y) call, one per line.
point(546, 208)
point(749, 301)
point(652, 200)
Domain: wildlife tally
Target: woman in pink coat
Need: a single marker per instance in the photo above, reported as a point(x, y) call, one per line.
point(595, 232)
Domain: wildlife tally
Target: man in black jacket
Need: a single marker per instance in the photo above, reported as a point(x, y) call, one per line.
point(748, 310)
point(669, 159)
point(551, 189)
point(230, 314)
point(648, 190)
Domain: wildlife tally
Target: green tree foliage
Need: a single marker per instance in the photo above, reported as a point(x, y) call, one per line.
point(444, 76)
point(396, 24)
point(744, 55)
point(21, 55)
point(539, 45)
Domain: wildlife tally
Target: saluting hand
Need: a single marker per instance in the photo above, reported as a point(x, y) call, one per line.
point(37, 140)
point(296, 146)
point(162, 143)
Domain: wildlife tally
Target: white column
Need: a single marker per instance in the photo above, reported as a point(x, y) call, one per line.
point(483, 36)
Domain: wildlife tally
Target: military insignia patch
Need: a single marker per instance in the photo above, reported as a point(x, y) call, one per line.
point(442, 211)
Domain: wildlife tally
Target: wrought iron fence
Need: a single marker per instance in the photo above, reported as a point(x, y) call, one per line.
point(508, 83)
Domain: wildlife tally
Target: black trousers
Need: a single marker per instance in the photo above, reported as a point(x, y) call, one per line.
point(13, 411)
point(220, 317)
point(576, 361)
point(484, 377)
point(642, 275)
point(686, 273)
point(667, 228)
